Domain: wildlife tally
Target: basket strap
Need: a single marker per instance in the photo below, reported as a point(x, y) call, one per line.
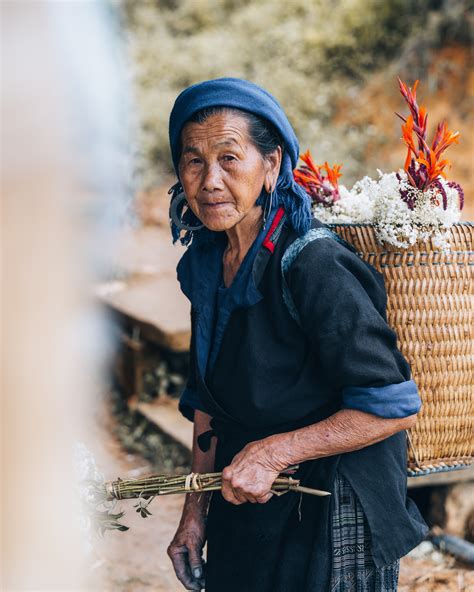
point(292, 251)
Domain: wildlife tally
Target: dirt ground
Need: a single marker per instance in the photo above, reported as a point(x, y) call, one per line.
point(136, 560)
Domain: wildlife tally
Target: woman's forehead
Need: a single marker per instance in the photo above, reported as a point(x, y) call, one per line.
point(223, 129)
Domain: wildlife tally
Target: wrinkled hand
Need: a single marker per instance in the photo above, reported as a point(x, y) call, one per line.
point(185, 550)
point(251, 474)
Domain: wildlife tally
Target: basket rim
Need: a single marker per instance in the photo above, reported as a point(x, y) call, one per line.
point(463, 223)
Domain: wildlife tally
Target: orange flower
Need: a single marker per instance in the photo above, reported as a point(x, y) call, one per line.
point(333, 173)
point(415, 128)
point(407, 131)
point(443, 138)
point(322, 188)
point(408, 94)
point(304, 179)
point(434, 167)
point(313, 168)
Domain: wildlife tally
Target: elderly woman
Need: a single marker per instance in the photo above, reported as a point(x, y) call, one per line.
point(293, 367)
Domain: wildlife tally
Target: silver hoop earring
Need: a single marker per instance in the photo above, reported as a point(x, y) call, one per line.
point(267, 208)
point(175, 208)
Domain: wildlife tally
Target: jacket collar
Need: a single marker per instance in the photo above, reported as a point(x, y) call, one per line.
point(199, 271)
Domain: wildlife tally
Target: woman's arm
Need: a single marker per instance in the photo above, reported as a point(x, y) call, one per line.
point(202, 462)
point(253, 470)
point(185, 550)
point(345, 431)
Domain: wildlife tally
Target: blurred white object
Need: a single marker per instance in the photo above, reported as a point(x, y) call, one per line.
point(65, 186)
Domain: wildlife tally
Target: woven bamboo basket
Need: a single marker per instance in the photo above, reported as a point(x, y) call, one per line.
point(431, 308)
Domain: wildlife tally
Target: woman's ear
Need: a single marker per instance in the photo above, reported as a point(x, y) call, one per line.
point(273, 169)
point(268, 183)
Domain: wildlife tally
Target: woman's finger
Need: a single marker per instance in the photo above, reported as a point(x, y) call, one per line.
point(264, 498)
point(229, 494)
point(244, 495)
point(240, 495)
point(202, 579)
point(195, 562)
point(182, 569)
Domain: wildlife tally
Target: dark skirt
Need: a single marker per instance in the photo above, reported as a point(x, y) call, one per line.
point(295, 542)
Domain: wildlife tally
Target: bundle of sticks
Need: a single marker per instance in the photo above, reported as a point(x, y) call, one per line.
point(193, 482)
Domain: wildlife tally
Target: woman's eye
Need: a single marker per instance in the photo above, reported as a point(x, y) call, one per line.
point(229, 157)
point(194, 161)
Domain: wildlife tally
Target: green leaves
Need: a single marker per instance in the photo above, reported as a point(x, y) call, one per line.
point(142, 506)
point(142, 510)
point(103, 520)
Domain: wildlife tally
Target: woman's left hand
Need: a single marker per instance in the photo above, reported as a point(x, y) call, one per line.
point(251, 474)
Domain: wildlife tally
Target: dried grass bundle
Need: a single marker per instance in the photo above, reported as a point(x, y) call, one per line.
point(193, 482)
point(101, 497)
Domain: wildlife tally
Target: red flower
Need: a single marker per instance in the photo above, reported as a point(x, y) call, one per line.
point(323, 189)
point(423, 164)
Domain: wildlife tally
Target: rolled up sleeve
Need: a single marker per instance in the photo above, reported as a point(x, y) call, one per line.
point(341, 300)
point(189, 402)
point(392, 401)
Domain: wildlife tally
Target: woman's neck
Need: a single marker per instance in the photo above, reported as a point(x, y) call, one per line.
point(241, 236)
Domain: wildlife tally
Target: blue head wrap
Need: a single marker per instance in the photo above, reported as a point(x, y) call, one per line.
point(247, 96)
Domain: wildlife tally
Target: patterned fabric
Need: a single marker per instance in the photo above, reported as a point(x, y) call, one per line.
point(353, 567)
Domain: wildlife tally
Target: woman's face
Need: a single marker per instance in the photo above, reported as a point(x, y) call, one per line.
point(221, 170)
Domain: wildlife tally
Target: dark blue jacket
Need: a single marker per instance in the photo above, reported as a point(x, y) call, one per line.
point(270, 375)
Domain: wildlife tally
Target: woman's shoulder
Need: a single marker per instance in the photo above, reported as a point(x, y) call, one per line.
point(330, 268)
point(322, 248)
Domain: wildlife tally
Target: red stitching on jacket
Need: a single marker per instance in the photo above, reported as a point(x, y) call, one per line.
point(267, 241)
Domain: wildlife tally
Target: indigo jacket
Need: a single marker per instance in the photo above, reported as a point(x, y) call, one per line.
point(257, 372)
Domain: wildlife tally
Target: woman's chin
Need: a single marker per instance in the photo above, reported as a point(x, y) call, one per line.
point(217, 226)
point(219, 221)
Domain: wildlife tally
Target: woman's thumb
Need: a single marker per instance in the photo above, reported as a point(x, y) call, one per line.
point(195, 562)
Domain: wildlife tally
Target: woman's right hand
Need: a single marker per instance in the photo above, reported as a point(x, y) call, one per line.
point(185, 550)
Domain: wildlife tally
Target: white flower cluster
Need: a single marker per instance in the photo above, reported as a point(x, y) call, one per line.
point(379, 202)
point(85, 465)
point(86, 473)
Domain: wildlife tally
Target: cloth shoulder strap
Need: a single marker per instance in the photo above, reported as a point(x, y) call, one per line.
point(290, 254)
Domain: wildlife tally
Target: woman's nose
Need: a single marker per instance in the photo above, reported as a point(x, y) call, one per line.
point(212, 178)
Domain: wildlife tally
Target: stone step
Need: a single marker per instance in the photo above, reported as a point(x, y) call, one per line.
point(153, 304)
point(148, 298)
point(165, 415)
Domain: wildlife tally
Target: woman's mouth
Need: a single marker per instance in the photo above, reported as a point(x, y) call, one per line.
point(216, 205)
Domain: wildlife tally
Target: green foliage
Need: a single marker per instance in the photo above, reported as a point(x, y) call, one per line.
point(104, 520)
point(363, 39)
point(308, 53)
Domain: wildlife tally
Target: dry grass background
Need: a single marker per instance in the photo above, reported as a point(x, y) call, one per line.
point(332, 65)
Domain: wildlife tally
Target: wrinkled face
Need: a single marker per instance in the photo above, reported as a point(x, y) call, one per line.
point(221, 170)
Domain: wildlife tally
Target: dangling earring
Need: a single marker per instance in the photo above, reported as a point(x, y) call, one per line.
point(175, 210)
point(267, 208)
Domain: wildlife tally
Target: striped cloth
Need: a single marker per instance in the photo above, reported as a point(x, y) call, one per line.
point(353, 568)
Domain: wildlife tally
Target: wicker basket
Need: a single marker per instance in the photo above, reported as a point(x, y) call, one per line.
point(430, 306)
